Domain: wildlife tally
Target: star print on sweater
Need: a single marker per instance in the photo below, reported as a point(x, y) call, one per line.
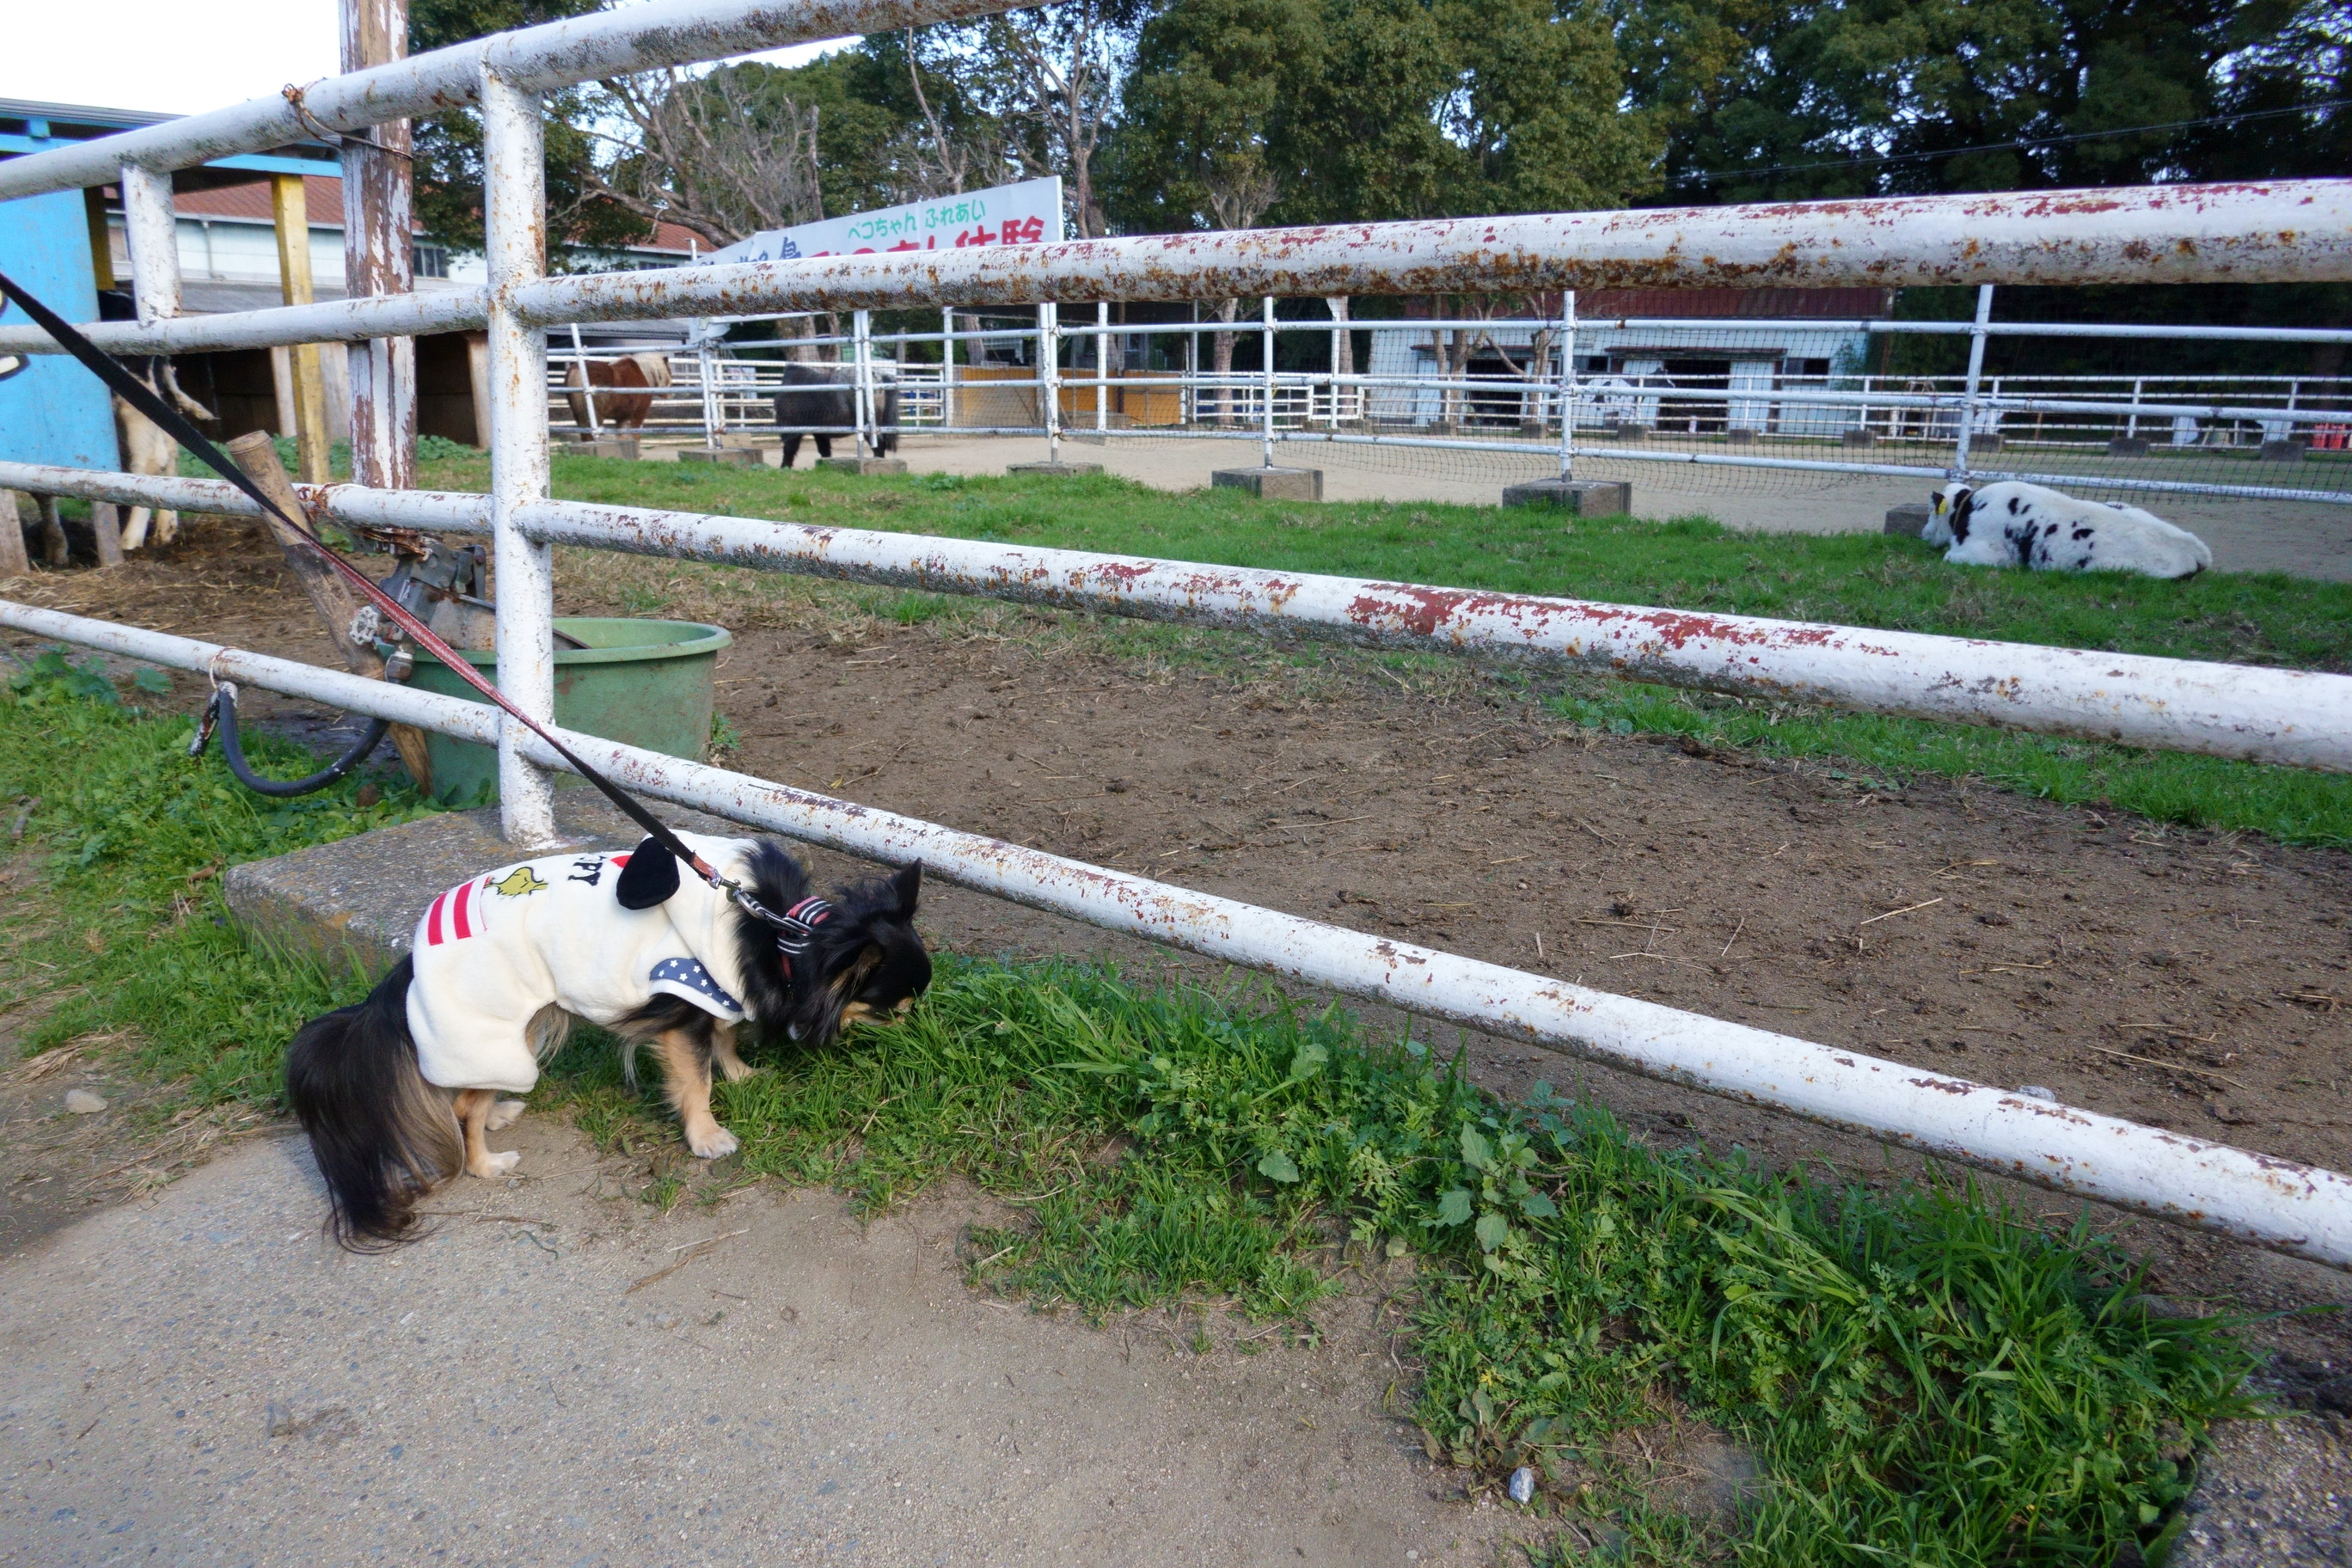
point(685, 978)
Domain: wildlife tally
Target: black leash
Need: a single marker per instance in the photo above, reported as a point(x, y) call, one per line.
point(134, 391)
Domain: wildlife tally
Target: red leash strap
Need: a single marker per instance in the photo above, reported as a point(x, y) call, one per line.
point(137, 393)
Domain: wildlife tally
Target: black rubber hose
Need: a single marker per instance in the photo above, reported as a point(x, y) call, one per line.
point(225, 708)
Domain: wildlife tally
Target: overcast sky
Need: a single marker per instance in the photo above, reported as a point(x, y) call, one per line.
point(176, 56)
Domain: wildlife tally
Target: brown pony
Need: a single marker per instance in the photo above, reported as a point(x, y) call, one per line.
point(628, 411)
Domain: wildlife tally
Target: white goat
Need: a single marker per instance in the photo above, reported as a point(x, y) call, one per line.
point(2016, 525)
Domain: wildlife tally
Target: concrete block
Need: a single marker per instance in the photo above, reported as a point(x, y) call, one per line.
point(1055, 471)
point(1626, 432)
point(604, 446)
point(1985, 441)
point(1272, 484)
point(2284, 451)
point(1739, 436)
point(864, 465)
point(353, 904)
point(1578, 498)
point(1861, 437)
point(2127, 447)
point(725, 456)
point(1909, 519)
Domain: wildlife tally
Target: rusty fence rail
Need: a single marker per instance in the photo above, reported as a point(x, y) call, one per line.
point(2294, 717)
point(2272, 231)
point(2279, 1204)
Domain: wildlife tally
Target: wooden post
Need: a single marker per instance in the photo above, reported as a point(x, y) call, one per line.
point(106, 531)
point(13, 562)
point(337, 605)
point(379, 258)
point(291, 209)
point(477, 377)
point(101, 247)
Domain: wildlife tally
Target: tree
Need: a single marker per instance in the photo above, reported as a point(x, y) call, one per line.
point(724, 154)
point(1197, 147)
point(1051, 78)
point(1890, 97)
point(448, 151)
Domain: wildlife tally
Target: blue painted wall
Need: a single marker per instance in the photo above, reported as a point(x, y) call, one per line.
point(51, 409)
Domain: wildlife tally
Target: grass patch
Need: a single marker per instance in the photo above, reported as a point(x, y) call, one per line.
point(124, 929)
point(2292, 806)
point(1925, 1377)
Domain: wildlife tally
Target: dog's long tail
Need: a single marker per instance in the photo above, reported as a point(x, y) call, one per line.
point(382, 1136)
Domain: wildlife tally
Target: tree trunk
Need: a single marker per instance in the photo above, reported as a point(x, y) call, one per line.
point(1220, 360)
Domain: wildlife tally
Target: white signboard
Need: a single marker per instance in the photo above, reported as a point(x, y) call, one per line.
point(1029, 213)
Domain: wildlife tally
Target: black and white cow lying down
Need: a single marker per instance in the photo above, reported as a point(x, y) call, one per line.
point(2016, 525)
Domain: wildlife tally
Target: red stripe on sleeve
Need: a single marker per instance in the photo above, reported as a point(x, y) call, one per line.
point(621, 859)
point(458, 912)
point(433, 921)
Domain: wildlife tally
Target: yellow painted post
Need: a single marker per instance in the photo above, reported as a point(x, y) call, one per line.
point(291, 210)
point(101, 246)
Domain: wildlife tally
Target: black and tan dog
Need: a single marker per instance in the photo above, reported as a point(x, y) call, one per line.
point(397, 1092)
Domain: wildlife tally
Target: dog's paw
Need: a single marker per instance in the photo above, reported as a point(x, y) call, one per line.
point(503, 1115)
point(735, 1069)
point(713, 1144)
point(498, 1165)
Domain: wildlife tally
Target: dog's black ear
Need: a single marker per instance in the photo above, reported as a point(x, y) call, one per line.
point(1964, 501)
point(909, 885)
point(649, 878)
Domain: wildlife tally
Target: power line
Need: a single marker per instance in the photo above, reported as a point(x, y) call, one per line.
point(2008, 146)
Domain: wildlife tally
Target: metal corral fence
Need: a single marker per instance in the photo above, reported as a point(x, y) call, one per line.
point(2262, 232)
point(1745, 395)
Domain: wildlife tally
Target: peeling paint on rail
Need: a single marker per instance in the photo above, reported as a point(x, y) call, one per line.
point(2279, 1204)
point(2246, 232)
point(2292, 716)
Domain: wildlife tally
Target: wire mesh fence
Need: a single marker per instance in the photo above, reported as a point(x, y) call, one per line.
point(1699, 405)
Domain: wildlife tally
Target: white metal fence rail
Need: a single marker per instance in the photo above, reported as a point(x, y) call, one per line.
point(2289, 230)
point(2293, 718)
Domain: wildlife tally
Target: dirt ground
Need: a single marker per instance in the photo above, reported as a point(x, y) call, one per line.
point(2188, 980)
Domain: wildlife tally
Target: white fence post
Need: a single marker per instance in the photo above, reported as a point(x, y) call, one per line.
point(1568, 385)
point(1102, 366)
point(1267, 380)
point(1189, 396)
point(151, 233)
point(2131, 425)
point(587, 388)
point(514, 214)
point(947, 368)
point(1976, 371)
point(1049, 377)
point(861, 348)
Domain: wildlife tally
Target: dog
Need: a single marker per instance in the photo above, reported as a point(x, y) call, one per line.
point(825, 397)
point(397, 1092)
point(2016, 525)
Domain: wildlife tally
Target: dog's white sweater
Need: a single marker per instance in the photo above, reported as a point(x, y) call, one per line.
point(491, 953)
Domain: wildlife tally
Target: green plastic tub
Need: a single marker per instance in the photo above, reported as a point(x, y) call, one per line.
point(645, 683)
